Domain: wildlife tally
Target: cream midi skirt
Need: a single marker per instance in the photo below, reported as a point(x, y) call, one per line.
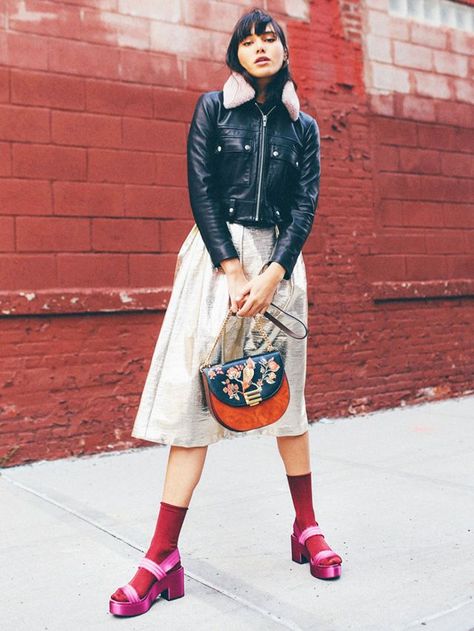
point(172, 408)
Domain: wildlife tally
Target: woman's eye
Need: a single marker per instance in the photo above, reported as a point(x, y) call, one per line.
point(268, 39)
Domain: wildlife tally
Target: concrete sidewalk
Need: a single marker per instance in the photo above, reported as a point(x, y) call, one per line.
point(393, 493)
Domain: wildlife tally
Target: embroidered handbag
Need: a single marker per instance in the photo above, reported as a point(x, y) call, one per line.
point(252, 391)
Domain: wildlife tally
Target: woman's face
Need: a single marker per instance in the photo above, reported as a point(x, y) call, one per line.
point(268, 45)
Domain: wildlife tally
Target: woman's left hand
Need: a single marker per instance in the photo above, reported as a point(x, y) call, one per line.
point(258, 294)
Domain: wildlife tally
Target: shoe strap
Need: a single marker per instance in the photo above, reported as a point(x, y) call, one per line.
point(131, 593)
point(159, 569)
point(323, 554)
point(310, 531)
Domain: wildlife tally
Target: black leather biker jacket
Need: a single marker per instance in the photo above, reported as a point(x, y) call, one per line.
point(253, 169)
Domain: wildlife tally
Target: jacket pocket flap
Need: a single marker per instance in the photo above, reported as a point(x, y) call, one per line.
point(285, 152)
point(246, 145)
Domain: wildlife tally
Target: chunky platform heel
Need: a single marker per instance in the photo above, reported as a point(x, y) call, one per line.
point(175, 587)
point(169, 584)
point(300, 553)
point(297, 551)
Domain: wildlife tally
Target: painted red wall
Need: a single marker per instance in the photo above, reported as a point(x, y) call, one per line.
point(95, 103)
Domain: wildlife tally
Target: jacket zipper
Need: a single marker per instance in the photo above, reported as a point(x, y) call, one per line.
point(262, 155)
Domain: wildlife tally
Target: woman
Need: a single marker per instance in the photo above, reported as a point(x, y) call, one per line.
point(253, 177)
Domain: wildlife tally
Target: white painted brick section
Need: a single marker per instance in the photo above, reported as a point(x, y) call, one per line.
point(389, 78)
point(179, 39)
point(166, 10)
point(379, 48)
point(382, 104)
point(461, 42)
point(412, 56)
point(381, 5)
point(416, 57)
point(450, 63)
point(418, 108)
point(217, 16)
point(428, 35)
point(384, 25)
point(298, 9)
point(464, 90)
point(433, 85)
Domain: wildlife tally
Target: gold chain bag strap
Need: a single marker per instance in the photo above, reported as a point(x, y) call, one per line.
point(252, 391)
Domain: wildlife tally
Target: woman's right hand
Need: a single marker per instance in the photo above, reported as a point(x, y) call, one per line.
point(237, 283)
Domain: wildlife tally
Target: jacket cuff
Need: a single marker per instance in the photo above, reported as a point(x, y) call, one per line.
point(285, 262)
point(223, 251)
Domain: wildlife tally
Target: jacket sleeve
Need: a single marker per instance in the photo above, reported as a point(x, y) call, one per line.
point(202, 183)
point(293, 235)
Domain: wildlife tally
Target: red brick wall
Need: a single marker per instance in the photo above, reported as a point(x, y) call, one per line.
point(95, 104)
point(422, 140)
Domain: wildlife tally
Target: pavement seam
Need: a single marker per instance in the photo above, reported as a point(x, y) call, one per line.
point(287, 624)
point(440, 614)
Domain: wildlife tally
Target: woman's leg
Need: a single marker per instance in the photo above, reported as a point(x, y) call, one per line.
point(294, 451)
point(185, 465)
point(183, 472)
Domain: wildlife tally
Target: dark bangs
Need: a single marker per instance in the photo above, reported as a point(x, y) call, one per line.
point(243, 28)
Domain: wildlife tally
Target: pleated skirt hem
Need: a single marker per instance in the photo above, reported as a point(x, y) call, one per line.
point(170, 438)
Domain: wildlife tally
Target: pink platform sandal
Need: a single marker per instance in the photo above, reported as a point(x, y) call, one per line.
point(300, 554)
point(169, 585)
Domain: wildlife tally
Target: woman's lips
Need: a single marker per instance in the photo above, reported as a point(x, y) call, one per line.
point(263, 61)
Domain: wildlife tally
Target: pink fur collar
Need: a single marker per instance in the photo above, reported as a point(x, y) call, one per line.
point(238, 91)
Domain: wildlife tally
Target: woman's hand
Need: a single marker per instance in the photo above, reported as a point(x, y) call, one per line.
point(260, 290)
point(249, 297)
point(237, 284)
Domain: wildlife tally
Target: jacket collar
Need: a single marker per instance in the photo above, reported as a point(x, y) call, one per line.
point(238, 91)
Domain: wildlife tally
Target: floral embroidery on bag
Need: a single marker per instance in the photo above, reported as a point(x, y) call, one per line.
point(217, 370)
point(246, 374)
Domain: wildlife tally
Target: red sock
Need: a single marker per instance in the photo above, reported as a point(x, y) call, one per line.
point(164, 541)
point(302, 495)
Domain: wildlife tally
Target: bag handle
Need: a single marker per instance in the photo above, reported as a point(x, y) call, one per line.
point(284, 328)
point(258, 321)
point(269, 316)
point(257, 317)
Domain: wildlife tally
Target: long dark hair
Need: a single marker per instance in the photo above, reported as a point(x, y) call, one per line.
point(243, 29)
